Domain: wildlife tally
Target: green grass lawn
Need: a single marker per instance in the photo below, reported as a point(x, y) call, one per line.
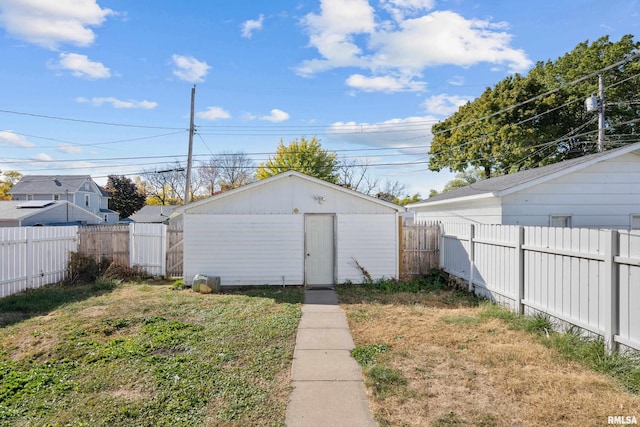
point(110, 354)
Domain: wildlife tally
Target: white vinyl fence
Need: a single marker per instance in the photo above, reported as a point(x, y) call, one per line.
point(31, 257)
point(588, 278)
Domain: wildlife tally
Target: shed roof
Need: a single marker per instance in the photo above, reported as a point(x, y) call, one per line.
point(284, 175)
point(506, 184)
point(50, 184)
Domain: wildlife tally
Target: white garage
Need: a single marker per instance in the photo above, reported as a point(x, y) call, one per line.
point(290, 229)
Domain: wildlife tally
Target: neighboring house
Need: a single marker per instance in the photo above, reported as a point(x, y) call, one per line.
point(44, 212)
point(290, 229)
point(80, 190)
point(153, 214)
point(597, 191)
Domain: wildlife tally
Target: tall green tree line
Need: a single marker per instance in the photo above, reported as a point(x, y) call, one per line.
point(492, 135)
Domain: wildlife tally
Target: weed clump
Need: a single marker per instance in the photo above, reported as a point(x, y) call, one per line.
point(83, 269)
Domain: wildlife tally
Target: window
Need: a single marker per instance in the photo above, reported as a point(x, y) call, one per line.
point(29, 196)
point(635, 222)
point(86, 200)
point(56, 197)
point(560, 221)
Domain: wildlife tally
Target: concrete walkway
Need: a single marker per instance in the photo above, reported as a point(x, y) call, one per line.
point(328, 387)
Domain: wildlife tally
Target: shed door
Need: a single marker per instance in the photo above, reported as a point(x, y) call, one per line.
point(319, 250)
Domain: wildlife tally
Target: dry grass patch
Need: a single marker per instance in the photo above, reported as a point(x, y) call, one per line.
point(465, 369)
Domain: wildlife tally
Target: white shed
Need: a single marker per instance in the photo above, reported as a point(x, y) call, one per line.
point(597, 191)
point(290, 229)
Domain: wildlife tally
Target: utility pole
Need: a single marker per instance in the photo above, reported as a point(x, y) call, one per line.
point(600, 113)
point(187, 189)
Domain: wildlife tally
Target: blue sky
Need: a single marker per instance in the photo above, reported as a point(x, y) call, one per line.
point(103, 86)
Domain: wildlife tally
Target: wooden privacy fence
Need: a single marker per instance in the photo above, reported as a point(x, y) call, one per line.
point(134, 244)
point(31, 257)
point(587, 278)
point(419, 248)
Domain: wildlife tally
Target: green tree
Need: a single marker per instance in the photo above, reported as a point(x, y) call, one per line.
point(126, 198)
point(305, 156)
point(503, 131)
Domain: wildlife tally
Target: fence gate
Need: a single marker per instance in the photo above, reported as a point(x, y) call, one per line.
point(174, 249)
point(105, 241)
point(419, 251)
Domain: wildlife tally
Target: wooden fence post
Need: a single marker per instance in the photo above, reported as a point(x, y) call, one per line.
point(611, 292)
point(520, 269)
point(471, 256)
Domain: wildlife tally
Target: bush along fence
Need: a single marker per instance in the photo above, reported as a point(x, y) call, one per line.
point(584, 277)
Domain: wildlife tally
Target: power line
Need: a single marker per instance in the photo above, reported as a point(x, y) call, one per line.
point(44, 116)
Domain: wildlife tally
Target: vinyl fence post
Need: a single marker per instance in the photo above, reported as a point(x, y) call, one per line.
point(132, 244)
point(520, 269)
point(441, 250)
point(471, 256)
point(29, 258)
point(610, 286)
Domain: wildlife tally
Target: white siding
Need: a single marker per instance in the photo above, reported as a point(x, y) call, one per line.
point(372, 240)
point(482, 211)
point(285, 196)
point(245, 249)
point(603, 195)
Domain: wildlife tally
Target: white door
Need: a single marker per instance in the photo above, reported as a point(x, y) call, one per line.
point(319, 250)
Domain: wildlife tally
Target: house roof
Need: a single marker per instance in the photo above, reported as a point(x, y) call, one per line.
point(20, 209)
point(51, 184)
point(286, 175)
point(506, 184)
point(153, 213)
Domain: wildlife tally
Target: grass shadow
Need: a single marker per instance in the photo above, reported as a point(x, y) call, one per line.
point(41, 301)
point(434, 290)
point(279, 294)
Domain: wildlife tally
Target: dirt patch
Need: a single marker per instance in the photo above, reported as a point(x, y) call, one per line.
point(462, 370)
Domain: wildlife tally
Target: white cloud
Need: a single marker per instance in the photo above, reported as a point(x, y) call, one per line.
point(9, 138)
point(399, 9)
point(42, 157)
point(351, 34)
point(213, 113)
point(81, 66)
point(445, 105)
point(49, 23)
point(276, 116)
point(70, 149)
point(249, 26)
point(384, 84)
point(456, 81)
point(189, 68)
point(117, 103)
point(395, 133)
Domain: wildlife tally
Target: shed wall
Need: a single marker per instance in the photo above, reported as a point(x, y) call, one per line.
point(287, 195)
point(372, 240)
point(245, 249)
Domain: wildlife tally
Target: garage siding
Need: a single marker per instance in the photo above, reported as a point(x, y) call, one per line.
point(253, 249)
point(372, 240)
